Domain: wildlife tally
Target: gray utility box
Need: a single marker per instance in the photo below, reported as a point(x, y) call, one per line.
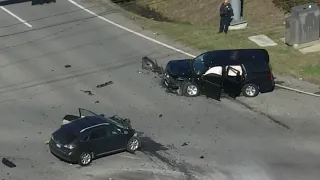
point(303, 24)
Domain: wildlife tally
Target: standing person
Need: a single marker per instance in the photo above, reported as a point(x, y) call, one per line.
point(226, 14)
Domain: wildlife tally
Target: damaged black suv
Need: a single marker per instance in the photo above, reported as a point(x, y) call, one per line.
point(233, 72)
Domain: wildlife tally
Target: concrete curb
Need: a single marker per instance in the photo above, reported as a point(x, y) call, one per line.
point(169, 46)
point(297, 90)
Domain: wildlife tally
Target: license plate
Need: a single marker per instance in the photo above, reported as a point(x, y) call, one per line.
point(58, 145)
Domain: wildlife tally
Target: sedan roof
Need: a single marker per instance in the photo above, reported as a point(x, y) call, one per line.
point(82, 123)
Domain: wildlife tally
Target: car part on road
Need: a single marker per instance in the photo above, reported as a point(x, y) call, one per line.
point(151, 65)
point(184, 144)
point(87, 92)
point(8, 163)
point(67, 66)
point(250, 90)
point(85, 158)
point(105, 84)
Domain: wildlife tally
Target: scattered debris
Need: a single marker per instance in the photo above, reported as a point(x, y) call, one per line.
point(201, 157)
point(97, 102)
point(67, 66)
point(151, 65)
point(47, 142)
point(8, 163)
point(140, 72)
point(184, 144)
point(105, 84)
point(160, 115)
point(87, 92)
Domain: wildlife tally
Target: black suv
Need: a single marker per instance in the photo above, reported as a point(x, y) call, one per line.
point(233, 71)
point(81, 139)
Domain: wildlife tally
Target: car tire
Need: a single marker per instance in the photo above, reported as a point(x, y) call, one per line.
point(133, 145)
point(85, 158)
point(190, 89)
point(250, 90)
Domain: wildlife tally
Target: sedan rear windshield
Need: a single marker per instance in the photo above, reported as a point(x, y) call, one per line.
point(63, 136)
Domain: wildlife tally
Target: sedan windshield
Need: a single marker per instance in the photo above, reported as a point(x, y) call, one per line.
point(198, 64)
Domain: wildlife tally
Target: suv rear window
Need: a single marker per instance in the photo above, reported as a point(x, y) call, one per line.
point(64, 137)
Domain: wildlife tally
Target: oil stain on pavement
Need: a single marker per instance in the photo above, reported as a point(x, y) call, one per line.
point(157, 150)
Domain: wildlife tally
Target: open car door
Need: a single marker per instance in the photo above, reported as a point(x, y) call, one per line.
point(233, 81)
point(85, 112)
point(212, 82)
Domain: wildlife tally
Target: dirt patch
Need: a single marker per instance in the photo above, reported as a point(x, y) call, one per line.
point(143, 10)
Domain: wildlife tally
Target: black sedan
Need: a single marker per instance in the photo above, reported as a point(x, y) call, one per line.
point(83, 138)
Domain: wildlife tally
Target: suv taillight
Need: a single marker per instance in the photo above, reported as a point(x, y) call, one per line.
point(270, 76)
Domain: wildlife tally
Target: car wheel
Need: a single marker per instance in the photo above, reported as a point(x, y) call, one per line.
point(85, 158)
point(133, 144)
point(250, 90)
point(190, 89)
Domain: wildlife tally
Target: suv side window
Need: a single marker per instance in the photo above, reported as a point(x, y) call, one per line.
point(98, 133)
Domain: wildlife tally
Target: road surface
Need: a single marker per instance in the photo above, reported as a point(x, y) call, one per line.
point(271, 137)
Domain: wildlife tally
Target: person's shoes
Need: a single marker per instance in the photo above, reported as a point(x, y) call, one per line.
point(219, 32)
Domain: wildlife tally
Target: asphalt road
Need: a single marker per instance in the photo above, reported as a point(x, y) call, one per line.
point(271, 137)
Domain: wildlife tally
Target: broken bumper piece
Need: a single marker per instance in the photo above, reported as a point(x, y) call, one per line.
point(151, 65)
point(170, 83)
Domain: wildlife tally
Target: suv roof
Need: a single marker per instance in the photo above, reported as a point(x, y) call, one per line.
point(237, 56)
point(78, 125)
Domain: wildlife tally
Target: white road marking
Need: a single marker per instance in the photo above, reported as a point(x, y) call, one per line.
point(17, 17)
point(129, 30)
point(168, 46)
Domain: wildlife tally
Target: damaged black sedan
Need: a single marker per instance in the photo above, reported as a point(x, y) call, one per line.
point(83, 138)
point(233, 72)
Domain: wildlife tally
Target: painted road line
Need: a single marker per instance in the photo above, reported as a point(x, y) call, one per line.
point(17, 17)
point(168, 46)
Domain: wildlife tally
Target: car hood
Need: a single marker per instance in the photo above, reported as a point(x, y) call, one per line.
point(179, 68)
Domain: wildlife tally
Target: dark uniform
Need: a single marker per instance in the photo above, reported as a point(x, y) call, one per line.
point(226, 12)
